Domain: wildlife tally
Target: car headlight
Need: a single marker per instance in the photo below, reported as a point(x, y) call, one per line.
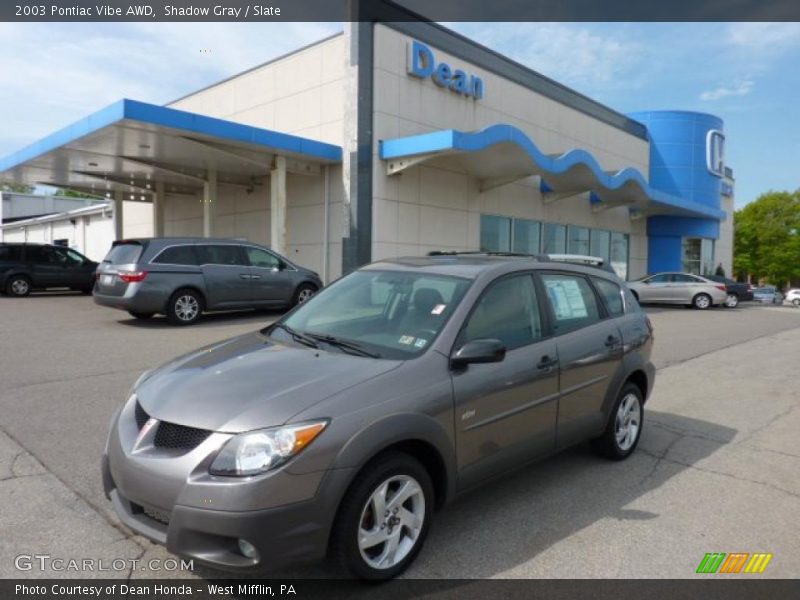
point(259, 451)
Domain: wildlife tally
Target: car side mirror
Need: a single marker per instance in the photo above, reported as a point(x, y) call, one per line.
point(488, 350)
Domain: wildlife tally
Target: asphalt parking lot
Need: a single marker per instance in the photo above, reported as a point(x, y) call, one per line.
point(716, 470)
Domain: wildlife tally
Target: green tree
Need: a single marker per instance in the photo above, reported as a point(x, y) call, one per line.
point(767, 237)
point(20, 188)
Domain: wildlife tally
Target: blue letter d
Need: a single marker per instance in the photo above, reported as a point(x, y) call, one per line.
point(420, 60)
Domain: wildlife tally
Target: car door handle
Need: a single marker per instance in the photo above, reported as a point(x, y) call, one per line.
point(612, 341)
point(546, 362)
point(243, 276)
point(255, 276)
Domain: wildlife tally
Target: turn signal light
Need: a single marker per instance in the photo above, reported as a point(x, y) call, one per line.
point(132, 276)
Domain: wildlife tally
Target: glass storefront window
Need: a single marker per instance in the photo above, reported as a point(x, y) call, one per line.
point(495, 233)
point(601, 244)
point(578, 240)
point(619, 254)
point(554, 238)
point(527, 236)
point(698, 256)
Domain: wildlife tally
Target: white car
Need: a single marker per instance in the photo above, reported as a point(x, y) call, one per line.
point(793, 296)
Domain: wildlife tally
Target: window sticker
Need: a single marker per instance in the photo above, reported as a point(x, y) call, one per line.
point(438, 309)
point(567, 299)
point(406, 340)
point(420, 343)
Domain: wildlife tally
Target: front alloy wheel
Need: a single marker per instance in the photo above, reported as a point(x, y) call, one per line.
point(391, 522)
point(384, 517)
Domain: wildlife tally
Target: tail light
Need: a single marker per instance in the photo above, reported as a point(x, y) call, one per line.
point(721, 287)
point(749, 287)
point(132, 276)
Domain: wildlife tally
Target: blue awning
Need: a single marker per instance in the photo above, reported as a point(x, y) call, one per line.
point(502, 153)
point(130, 146)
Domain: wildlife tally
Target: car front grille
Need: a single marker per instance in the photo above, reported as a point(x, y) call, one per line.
point(171, 435)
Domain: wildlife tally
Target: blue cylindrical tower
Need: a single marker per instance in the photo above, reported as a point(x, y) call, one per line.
point(686, 154)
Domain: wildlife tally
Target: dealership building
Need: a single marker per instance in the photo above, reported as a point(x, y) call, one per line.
point(401, 138)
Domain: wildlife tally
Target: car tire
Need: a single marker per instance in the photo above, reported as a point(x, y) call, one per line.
point(303, 292)
point(185, 307)
point(18, 286)
point(400, 529)
point(796, 302)
point(702, 301)
point(628, 407)
point(732, 301)
point(140, 315)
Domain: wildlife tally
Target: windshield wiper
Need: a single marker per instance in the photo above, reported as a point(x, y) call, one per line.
point(297, 336)
point(352, 347)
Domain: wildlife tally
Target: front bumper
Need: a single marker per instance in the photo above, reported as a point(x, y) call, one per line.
point(168, 496)
point(284, 536)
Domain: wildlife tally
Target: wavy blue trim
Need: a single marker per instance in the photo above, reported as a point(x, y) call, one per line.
point(454, 140)
point(153, 114)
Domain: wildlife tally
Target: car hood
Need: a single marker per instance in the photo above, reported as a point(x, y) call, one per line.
point(250, 382)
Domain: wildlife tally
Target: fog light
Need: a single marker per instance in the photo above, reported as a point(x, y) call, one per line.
point(247, 549)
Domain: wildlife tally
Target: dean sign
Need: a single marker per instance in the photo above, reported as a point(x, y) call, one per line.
point(422, 63)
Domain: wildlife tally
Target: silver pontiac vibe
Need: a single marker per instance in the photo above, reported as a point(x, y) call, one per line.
point(339, 429)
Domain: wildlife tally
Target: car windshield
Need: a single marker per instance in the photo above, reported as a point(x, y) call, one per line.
point(390, 314)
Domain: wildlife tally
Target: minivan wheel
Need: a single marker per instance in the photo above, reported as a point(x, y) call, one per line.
point(19, 286)
point(384, 517)
point(624, 425)
point(702, 301)
point(303, 293)
point(732, 301)
point(184, 307)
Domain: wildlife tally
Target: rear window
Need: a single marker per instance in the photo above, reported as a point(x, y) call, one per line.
point(177, 255)
point(612, 296)
point(124, 254)
point(10, 253)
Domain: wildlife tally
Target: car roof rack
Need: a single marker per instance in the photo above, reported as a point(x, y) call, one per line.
point(478, 253)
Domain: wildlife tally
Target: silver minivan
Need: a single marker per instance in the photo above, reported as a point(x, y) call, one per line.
point(184, 277)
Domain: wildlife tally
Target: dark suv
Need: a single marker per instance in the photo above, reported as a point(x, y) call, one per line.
point(340, 428)
point(183, 277)
point(26, 267)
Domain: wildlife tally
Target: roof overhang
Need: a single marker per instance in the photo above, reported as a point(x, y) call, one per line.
point(501, 154)
point(131, 146)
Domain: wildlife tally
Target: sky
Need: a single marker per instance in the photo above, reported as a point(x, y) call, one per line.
point(52, 74)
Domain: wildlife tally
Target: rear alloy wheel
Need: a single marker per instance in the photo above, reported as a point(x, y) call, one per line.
point(303, 293)
point(732, 301)
point(702, 301)
point(18, 286)
point(624, 426)
point(184, 307)
point(796, 301)
point(384, 518)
